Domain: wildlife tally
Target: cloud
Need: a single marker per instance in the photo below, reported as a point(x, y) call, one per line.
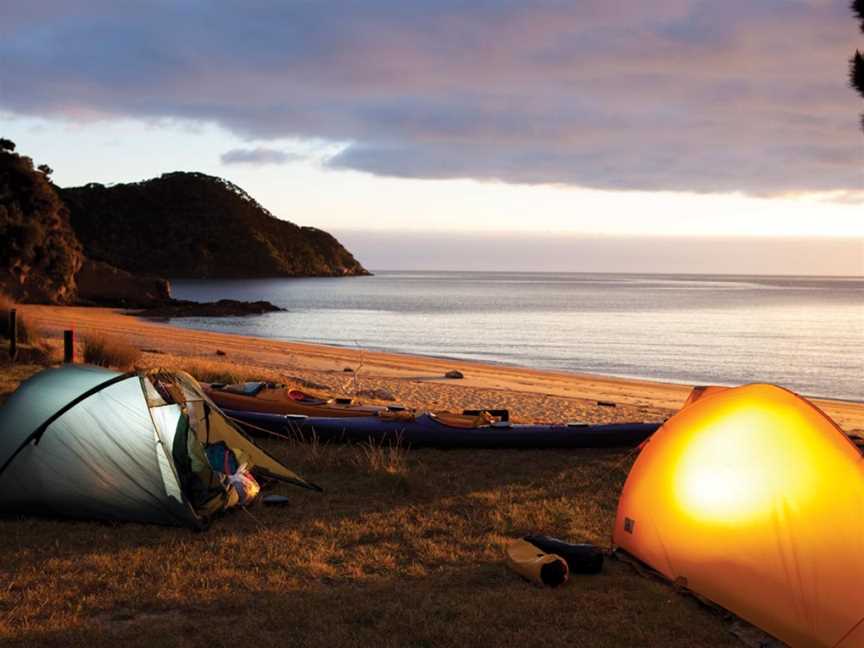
point(258, 156)
point(668, 95)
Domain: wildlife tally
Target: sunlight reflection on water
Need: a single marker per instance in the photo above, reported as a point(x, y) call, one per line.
point(803, 333)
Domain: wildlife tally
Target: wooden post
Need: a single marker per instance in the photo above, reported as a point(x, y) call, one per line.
point(69, 346)
point(13, 334)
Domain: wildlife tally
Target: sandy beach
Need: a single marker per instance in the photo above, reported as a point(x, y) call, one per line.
point(401, 544)
point(415, 381)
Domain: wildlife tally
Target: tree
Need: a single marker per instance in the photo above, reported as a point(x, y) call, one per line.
point(856, 63)
point(47, 170)
point(6, 145)
point(39, 253)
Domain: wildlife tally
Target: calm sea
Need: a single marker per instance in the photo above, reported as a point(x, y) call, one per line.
point(800, 332)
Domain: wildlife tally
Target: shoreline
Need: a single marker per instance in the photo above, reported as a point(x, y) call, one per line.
point(533, 393)
point(500, 363)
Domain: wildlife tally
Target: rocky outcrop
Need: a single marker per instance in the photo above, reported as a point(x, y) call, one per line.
point(103, 284)
point(221, 308)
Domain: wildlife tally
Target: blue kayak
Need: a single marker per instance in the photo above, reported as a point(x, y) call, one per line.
point(427, 430)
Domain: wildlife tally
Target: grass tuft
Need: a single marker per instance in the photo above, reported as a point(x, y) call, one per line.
point(224, 371)
point(383, 458)
point(110, 351)
point(214, 371)
point(387, 464)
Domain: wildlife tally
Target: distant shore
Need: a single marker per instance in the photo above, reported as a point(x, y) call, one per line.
point(530, 394)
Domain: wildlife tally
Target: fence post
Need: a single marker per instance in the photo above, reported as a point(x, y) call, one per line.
point(13, 334)
point(69, 346)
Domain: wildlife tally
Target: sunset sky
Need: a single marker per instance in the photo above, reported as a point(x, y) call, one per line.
point(576, 128)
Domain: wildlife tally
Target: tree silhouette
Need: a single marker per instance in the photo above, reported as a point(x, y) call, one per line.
point(45, 169)
point(6, 144)
point(856, 63)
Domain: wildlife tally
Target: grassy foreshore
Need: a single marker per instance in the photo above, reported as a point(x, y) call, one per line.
point(403, 548)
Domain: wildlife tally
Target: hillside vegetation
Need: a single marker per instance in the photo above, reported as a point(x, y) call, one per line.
point(116, 245)
point(39, 253)
point(194, 225)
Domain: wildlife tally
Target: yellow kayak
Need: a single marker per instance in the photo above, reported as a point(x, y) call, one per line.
point(280, 399)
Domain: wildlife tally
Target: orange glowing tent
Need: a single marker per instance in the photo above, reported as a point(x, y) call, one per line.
point(702, 391)
point(753, 498)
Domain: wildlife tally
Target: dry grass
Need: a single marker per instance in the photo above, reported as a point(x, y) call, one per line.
point(26, 333)
point(110, 351)
point(221, 371)
point(226, 371)
point(388, 459)
point(405, 548)
point(12, 375)
point(388, 463)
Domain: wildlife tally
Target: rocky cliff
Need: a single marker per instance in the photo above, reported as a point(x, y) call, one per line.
point(102, 284)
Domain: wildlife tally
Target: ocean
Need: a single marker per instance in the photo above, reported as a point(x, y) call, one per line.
point(804, 333)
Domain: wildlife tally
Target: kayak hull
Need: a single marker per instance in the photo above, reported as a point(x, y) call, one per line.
point(426, 431)
point(278, 401)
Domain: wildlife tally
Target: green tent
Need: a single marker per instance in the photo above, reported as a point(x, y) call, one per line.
point(86, 442)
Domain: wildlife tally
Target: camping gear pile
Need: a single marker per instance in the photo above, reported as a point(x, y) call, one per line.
point(86, 442)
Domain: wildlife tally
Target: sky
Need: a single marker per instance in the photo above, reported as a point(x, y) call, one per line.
point(674, 135)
